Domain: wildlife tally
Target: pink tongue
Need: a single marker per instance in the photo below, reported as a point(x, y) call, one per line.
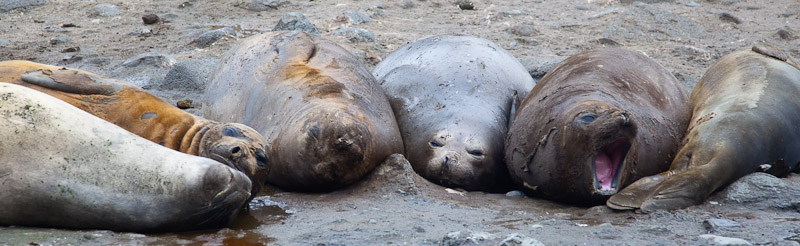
point(604, 170)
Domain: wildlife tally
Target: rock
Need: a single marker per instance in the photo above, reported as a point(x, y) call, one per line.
point(514, 193)
point(71, 49)
point(519, 240)
point(644, 22)
point(524, 30)
point(786, 33)
point(262, 5)
point(61, 38)
point(726, 241)
point(514, 12)
point(717, 224)
point(295, 21)
point(528, 41)
point(787, 13)
point(692, 4)
point(407, 4)
point(104, 10)
point(760, 191)
point(189, 75)
point(151, 59)
point(4, 43)
point(465, 4)
point(646, 1)
point(582, 7)
point(8, 5)
point(380, 5)
point(184, 104)
point(727, 17)
point(394, 175)
point(355, 34)
point(150, 19)
point(725, 2)
point(209, 38)
point(458, 238)
point(538, 66)
point(357, 18)
point(607, 42)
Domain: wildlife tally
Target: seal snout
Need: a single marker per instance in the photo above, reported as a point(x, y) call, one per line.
point(225, 191)
point(449, 160)
point(608, 165)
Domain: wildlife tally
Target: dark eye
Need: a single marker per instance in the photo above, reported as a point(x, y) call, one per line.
point(587, 118)
point(261, 158)
point(436, 144)
point(230, 132)
point(476, 153)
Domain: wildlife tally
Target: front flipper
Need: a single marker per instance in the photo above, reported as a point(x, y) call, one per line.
point(633, 196)
point(73, 81)
point(682, 190)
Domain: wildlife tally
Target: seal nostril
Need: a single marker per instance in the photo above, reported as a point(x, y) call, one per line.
point(235, 150)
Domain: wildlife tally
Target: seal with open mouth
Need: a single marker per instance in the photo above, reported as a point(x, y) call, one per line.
point(595, 123)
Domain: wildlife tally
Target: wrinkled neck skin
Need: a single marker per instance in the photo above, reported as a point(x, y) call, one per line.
point(597, 138)
point(463, 154)
point(193, 142)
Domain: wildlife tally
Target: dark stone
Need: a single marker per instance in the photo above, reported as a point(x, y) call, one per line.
point(717, 224)
point(465, 4)
point(727, 17)
point(208, 38)
point(355, 34)
point(8, 5)
point(189, 75)
point(104, 10)
point(538, 66)
point(524, 30)
point(149, 19)
point(71, 49)
point(263, 5)
point(357, 18)
point(607, 42)
point(184, 104)
point(582, 7)
point(786, 33)
point(294, 21)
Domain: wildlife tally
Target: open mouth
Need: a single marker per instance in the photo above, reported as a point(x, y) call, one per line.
point(607, 165)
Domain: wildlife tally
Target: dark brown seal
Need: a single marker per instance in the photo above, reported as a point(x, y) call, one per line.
point(326, 118)
point(63, 167)
point(146, 115)
point(746, 114)
point(598, 121)
point(453, 97)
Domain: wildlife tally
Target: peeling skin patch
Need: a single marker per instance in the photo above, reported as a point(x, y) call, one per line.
point(148, 115)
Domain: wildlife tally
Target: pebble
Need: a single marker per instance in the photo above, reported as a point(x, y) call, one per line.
point(528, 41)
point(717, 224)
point(407, 4)
point(105, 10)
point(514, 193)
point(262, 5)
point(515, 12)
point(524, 30)
point(295, 21)
point(581, 7)
point(4, 43)
point(71, 49)
point(692, 4)
point(61, 38)
point(372, 221)
point(515, 239)
point(357, 18)
point(787, 13)
point(355, 34)
point(150, 58)
point(724, 241)
point(380, 5)
point(8, 5)
point(727, 17)
point(465, 4)
point(150, 19)
point(208, 38)
point(184, 104)
point(786, 33)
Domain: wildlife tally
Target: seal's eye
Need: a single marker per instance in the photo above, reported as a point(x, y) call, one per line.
point(435, 144)
point(230, 131)
point(261, 158)
point(476, 153)
point(587, 117)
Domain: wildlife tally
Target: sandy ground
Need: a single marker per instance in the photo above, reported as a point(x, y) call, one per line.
point(394, 206)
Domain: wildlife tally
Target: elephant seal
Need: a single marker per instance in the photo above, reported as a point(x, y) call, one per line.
point(324, 115)
point(452, 97)
point(146, 115)
point(746, 109)
point(598, 121)
point(62, 167)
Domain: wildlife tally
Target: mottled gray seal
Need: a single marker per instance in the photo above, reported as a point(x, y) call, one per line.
point(452, 97)
point(62, 167)
point(746, 111)
point(326, 118)
point(146, 115)
point(598, 121)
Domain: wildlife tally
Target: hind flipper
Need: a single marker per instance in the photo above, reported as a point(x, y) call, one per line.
point(633, 196)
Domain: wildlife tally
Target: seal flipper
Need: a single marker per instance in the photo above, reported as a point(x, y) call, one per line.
point(514, 105)
point(633, 196)
point(770, 50)
point(72, 81)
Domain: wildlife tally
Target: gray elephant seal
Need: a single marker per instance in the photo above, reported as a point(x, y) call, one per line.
point(146, 115)
point(746, 111)
point(598, 121)
point(324, 115)
point(453, 97)
point(62, 167)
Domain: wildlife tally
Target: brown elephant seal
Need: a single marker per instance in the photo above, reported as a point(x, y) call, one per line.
point(62, 167)
point(324, 115)
point(746, 111)
point(598, 121)
point(146, 115)
point(452, 97)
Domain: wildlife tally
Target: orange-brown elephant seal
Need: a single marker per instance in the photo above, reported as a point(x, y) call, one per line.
point(324, 115)
point(62, 167)
point(595, 123)
point(146, 115)
point(453, 97)
point(746, 114)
